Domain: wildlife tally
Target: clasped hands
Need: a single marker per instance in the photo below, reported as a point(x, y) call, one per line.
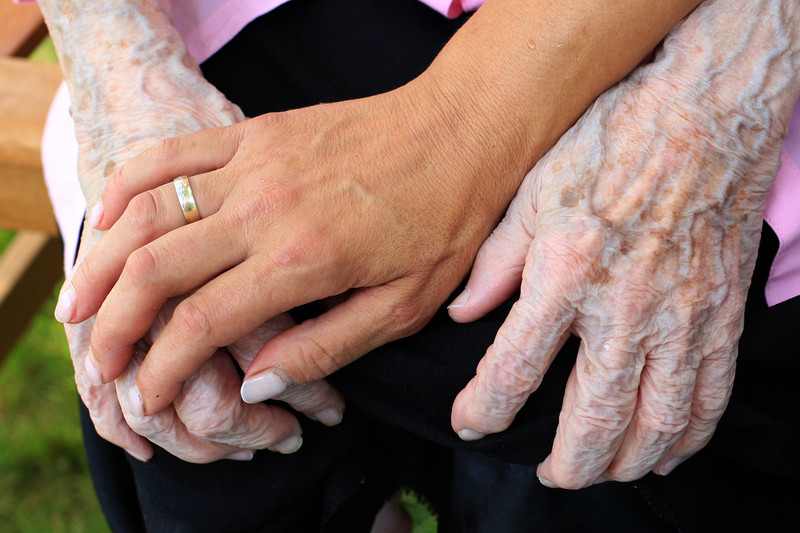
point(637, 233)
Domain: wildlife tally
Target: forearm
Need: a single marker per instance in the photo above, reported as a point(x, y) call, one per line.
point(729, 78)
point(131, 81)
point(743, 63)
point(520, 73)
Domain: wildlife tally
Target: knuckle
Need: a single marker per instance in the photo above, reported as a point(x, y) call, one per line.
point(104, 337)
point(598, 427)
point(263, 122)
point(210, 424)
point(310, 397)
point(407, 319)
point(512, 374)
point(141, 265)
point(269, 199)
point(85, 275)
point(301, 249)
point(141, 425)
point(141, 212)
point(665, 423)
point(315, 360)
point(165, 149)
point(192, 318)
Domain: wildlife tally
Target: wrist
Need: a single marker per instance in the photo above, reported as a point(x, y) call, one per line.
point(748, 76)
point(520, 73)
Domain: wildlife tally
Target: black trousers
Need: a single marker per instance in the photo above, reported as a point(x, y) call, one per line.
point(396, 429)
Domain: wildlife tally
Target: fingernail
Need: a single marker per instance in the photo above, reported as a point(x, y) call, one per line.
point(135, 401)
point(469, 435)
point(329, 417)
point(669, 466)
point(242, 455)
point(65, 308)
point(262, 387)
point(290, 445)
point(600, 480)
point(96, 215)
point(138, 457)
point(547, 483)
point(461, 301)
point(93, 369)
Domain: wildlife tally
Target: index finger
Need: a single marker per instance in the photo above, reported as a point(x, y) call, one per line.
point(219, 313)
point(195, 153)
point(513, 366)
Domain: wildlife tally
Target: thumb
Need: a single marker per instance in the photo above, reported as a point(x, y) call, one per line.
point(497, 272)
point(319, 346)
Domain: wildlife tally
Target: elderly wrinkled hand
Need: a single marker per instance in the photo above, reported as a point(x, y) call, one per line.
point(638, 233)
point(209, 421)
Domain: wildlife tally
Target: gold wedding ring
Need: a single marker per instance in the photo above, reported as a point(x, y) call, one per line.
point(186, 198)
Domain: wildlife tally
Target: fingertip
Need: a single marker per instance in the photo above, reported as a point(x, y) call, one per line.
point(545, 467)
point(458, 418)
point(667, 465)
point(460, 301)
point(92, 369)
point(67, 304)
point(469, 435)
point(241, 455)
point(139, 456)
point(135, 401)
point(96, 216)
point(263, 386)
point(329, 417)
point(150, 395)
point(469, 421)
point(547, 483)
point(288, 446)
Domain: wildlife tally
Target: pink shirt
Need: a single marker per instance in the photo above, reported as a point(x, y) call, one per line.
point(206, 25)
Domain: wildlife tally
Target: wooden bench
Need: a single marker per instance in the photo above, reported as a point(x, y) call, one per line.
point(30, 265)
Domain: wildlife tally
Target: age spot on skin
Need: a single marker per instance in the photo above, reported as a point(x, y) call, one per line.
point(569, 197)
point(110, 166)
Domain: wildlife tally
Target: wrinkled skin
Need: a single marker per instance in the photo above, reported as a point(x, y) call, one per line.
point(208, 420)
point(158, 92)
point(638, 233)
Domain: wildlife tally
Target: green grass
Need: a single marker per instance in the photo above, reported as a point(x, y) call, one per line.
point(44, 482)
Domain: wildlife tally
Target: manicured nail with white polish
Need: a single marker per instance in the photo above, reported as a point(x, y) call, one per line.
point(329, 417)
point(289, 445)
point(93, 370)
point(461, 301)
point(65, 308)
point(138, 457)
point(669, 466)
point(262, 387)
point(96, 215)
point(547, 483)
point(242, 455)
point(468, 435)
point(135, 401)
